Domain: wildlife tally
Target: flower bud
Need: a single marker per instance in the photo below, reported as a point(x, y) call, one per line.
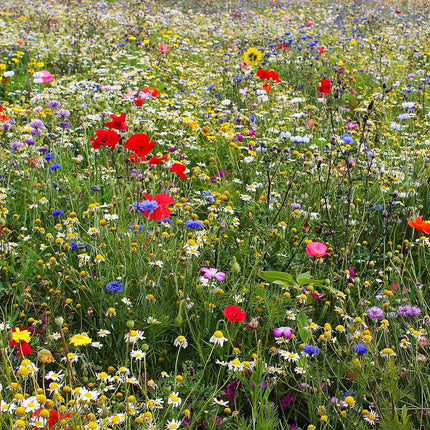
point(130, 324)
point(59, 321)
point(234, 266)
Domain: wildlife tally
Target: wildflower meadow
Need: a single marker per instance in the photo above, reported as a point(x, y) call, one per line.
point(214, 214)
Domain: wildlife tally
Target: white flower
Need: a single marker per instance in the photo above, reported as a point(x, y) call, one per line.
point(181, 342)
point(173, 424)
point(138, 354)
point(103, 333)
point(174, 399)
point(218, 338)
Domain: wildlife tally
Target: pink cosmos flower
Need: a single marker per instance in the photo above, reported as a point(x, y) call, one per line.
point(283, 331)
point(317, 249)
point(213, 273)
point(163, 48)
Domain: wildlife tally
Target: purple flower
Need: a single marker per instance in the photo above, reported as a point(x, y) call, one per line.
point(375, 313)
point(409, 311)
point(54, 104)
point(213, 273)
point(283, 331)
point(287, 400)
point(295, 206)
point(58, 212)
point(63, 113)
point(37, 123)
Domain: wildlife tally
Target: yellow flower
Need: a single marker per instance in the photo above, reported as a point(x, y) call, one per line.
point(252, 56)
point(21, 335)
point(80, 339)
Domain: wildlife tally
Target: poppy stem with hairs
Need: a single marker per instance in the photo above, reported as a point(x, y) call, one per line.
point(69, 365)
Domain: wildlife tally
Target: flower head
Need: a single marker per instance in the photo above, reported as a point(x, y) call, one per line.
point(80, 339)
point(234, 313)
point(316, 249)
point(218, 338)
point(114, 287)
point(283, 331)
point(212, 273)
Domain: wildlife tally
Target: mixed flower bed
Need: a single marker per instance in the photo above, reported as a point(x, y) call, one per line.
point(214, 215)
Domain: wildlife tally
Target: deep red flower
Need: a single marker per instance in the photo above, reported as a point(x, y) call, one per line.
point(118, 122)
point(106, 138)
point(321, 50)
point(54, 417)
point(234, 313)
point(268, 74)
point(140, 144)
point(23, 347)
point(263, 74)
point(161, 212)
point(157, 160)
point(325, 86)
point(133, 158)
point(179, 169)
point(153, 91)
point(138, 101)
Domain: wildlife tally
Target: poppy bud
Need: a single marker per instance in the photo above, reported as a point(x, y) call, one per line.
point(234, 266)
point(145, 347)
point(59, 321)
point(130, 324)
point(178, 319)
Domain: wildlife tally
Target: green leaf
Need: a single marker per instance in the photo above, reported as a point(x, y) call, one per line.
point(302, 322)
point(279, 278)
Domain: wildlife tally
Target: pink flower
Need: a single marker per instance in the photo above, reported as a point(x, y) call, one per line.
point(213, 273)
point(244, 65)
point(163, 48)
point(317, 249)
point(283, 331)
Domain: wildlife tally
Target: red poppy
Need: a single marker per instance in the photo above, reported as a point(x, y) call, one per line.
point(106, 138)
point(161, 212)
point(153, 91)
point(234, 313)
point(140, 144)
point(118, 122)
point(138, 101)
point(263, 74)
point(179, 169)
point(54, 417)
point(268, 74)
point(267, 88)
point(321, 50)
point(157, 160)
point(23, 347)
point(325, 86)
point(284, 46)
point(133, 158)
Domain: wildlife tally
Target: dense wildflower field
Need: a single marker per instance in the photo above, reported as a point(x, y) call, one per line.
point(214, 215)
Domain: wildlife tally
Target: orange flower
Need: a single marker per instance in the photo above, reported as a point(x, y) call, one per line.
point(420, 225)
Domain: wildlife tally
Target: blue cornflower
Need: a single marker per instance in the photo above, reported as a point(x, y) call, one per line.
point(55, 166)
point(49, 156)
point(193, 224)
point(347, 138)
point(360, 349)
point(114, 287)
point(73, 245)
point(145, 205)
point(58, 212)
point(311, 350)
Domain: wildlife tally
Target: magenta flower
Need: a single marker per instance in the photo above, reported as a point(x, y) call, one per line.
point(283, 331)
point(317, 249)
point(163, 48)
point(213, 273)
